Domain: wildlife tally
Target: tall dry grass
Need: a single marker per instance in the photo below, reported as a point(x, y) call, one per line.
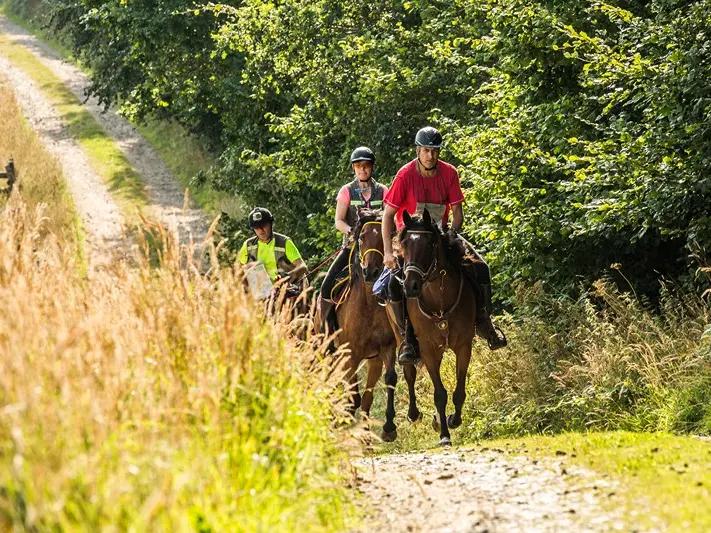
point(149, 399)
point(40, 174)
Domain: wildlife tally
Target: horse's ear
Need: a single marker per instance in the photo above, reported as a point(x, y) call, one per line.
point(359, 211)
point(426, 217)
point(406, 218)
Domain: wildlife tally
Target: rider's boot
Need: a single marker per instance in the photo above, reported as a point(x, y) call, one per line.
point(494, 336)
point(329, 320)
point(491, 334)
point(408, 352)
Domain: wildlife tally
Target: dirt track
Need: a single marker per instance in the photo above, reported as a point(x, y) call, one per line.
point(475, 491)
point(99, 213)
point(97, 209)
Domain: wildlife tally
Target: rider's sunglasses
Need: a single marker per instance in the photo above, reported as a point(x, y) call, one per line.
point(362, 164)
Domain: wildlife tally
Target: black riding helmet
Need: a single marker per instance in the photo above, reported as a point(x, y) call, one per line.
point(259, 216)
point(362, 153)
point(428, 137)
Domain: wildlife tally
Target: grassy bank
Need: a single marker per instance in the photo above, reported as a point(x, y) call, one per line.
point(602, 362)
point(187, 156)
point(104, 156)
point(40, 175)
point(184, 154)
point(155, 399)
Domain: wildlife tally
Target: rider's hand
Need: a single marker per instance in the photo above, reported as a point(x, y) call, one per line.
point(389, 260)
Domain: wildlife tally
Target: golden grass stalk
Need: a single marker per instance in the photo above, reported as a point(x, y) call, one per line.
point(156, 399)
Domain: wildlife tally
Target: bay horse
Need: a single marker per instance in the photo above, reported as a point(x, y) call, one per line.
point(442, 309)
point(365, 328)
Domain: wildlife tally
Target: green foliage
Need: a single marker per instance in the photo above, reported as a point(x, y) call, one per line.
point(601, 362)
point(580, 128)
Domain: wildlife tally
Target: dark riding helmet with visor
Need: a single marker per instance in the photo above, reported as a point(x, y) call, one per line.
point(260, 216)
point(362, 153)
point(428, 137)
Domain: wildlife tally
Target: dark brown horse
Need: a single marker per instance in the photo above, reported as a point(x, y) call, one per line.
point(442, 308)
point(365, 328)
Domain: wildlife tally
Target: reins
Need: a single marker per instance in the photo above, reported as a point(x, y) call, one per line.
point(361, 257)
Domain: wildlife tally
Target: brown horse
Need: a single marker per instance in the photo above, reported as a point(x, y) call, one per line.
point(441, 306)
point(365, 328)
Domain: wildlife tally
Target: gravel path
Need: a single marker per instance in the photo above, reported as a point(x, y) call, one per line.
point(99, 213)
point(166, 194)
point(478, 491)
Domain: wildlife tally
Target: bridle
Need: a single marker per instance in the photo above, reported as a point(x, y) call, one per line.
point(363, 253)
point(412, 266)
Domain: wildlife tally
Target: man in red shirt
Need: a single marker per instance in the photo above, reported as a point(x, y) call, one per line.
point(428, 183)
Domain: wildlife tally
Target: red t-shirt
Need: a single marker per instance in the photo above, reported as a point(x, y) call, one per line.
point(410, 188)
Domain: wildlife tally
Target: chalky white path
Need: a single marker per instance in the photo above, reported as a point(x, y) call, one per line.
point(99, 214)
point(472, 491)
point(166, 194)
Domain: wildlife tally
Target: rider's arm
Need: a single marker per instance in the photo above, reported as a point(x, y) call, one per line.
point(341, 212)
point(388, 230)
point(300, 270)
point(292, 254)
point(457, 217)
point(242, 256)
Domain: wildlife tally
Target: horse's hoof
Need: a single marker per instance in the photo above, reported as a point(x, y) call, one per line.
point(453, 423)
point(389, 436)
point(414, 419)
point(445, 441)
point(435, 423)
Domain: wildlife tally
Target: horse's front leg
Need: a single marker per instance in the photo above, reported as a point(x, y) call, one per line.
point(464, 355)
point(410, 372)
point(352, 380)
point(375, 369)
point(389, 429)
point(433, 364)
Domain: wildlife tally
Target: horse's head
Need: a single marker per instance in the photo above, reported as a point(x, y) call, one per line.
point(419, 240)
point(369, 233)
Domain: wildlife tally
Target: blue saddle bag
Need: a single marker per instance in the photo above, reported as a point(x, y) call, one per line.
point(382, 284)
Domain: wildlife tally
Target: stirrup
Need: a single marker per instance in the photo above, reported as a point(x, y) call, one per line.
point(500, 342)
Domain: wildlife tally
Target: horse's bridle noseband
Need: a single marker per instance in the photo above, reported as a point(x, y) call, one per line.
point(361, 253)
point(412, 266)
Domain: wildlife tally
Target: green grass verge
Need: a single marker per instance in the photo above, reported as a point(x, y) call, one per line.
point(184, 154)
point(662, 477)
point(104, 156)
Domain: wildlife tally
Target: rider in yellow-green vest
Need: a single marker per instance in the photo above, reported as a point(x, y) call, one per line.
point(277, 252)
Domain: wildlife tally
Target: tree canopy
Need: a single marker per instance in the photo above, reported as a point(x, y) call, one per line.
point(580, 129)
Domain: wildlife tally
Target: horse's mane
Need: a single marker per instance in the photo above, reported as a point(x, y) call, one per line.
point(366, 215)
point(454, 249)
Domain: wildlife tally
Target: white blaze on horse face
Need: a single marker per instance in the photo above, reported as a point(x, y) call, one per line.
point(414, 236)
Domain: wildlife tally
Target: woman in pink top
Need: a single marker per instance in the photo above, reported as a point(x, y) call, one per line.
point(363, 191)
